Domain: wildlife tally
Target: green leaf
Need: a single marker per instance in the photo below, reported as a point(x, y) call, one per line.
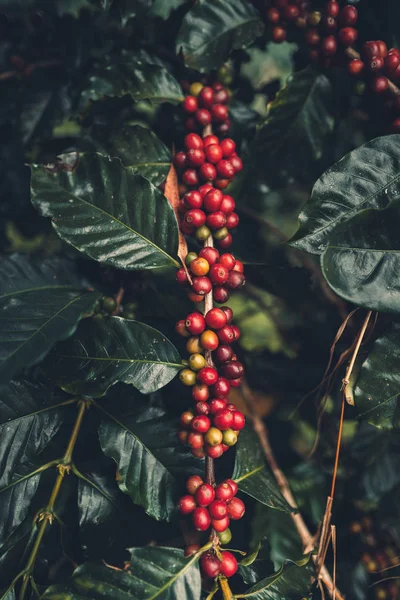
point(141, 81)
point(164, 8)
point(251, 474)
point(292, 582)
point(150, 460)
point(378, 385)
point(366, 178)
point(106, 350)
point(108, 212)
point(211, 30)
point(139, 148)
point(361, 261)
point(41, 302)
point(299, 117)
point(153, 573)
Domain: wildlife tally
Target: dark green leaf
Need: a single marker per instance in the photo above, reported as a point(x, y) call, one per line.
point(211, 30)
point(139, 148)
point(368, 177)
point(299, 117)
point(251, 474)
point(150, 460)
point(153, 573)
point(163, 8)
point(106, 350)
point(292, 582)
point(41, 302)
point(141, 81)
point(361, 261)
point(108, 212)
point(378, 385)
point(256, 565)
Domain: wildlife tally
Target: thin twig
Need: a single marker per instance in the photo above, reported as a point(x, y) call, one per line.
point(346, 379)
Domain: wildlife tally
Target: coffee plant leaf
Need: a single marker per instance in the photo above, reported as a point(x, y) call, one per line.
point(164, 8)
point(291, 582)
point(152, 574)
point(368, 177)
point(361, 261)
point(210, 31)
point(108, 212)
point(377, 389)
point(104, 351)
point(150, 460)
point(252, 476)
point(41, 302)
point(300, 116)
point(141, 81)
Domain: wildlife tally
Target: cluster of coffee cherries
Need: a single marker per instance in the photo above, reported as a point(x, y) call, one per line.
point(206, 105)
point(210, 271)
point(282, 13)
point(207, 166)
point(378, 64)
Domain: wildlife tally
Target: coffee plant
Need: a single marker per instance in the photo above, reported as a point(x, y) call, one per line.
point(200, 299)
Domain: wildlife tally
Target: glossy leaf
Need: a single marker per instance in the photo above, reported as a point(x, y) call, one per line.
point(106, 350)
point(153, 573)
point(367, 177)
point(150, 460)
point(141, 81)
point(361, 261)
point(300, 116)
point(292, 582)
point(251, 474)
point(378, 385)
point(41, 302)
point(108, 212)
point(210, 31)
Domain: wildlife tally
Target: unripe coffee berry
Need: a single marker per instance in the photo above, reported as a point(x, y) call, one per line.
point(205, 494)
point(209, 340)
point(236, 509)
point(186, 418)
point(187, 377)
point(221, 234)
point(193, 484)
point(229, 437)
point(201, 519)
point(225, 536)
point(197, 362)
point(193, 345)
point(199, 266)
point(213, 437)
point(200, 392)
point(203, 233)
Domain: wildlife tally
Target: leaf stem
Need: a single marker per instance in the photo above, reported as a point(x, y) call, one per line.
point(46, 516)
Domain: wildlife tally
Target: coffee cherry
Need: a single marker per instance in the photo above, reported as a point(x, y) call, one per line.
point(197, 362)
point(203, 233)
point(219, 113)
point(312, 37)
point(225, 537)
point(213, 153)
point(225, 169)
point(190, 104)
point(226, 334)
point(329, 45)
point(201, 519)
point(195, 297)
point(332, 8)
point(392, 61)
point(228, 312)
point(190, 177)
point(220, 525)
point(220, 294)
point(201, 285)
point(206, 97)
point(210, 140)
point(273, 15)
point(180, 160)
point(207, 172)
point(379, 85)
point(195, 323)
point(216, 220)
point(238, 266)
point(218, 274)
point(221, 96)
point(193, 141)
point(213, 437)
point(221, 183)
point(236, 162)
point(205, 494)
point(229, 437)
point(233, 485)
point(215, 318)
point(211, 255)
point(228, 204)
point(195, 88)
point(187, 377)
point(195, 157)
point(201, 424)
point(203, 117)
point(193, 345)
point(224, 492)
point(370, 49)
point(215, 451)
point(186, 418)
point(210, 564)
point(199, 266)
point(231, 370)
point(238, 420)
point(236, 332)
point(193, 484)
point(109, 304)
point(203, 189)
point(218, 509)
point(222, 354)
point(195, 217)
point(200, 392)
point(181, 277)
point(187, 505)
point(193, 549)
point(226, 241)
point(202, 408)
point(221, 388)
point(183, 437)
point(229, 564)
point(190, 124)
point(235, 280)
point(278, 35)
point(382, 49)
point(376, 64)
point(348, 16)
point(355, 67)
point(195, 440)
point(209, 340)
point(236, 509)
point(216, 405)
point(223, 419)
point(207, 375)
point(228, 147)
point(212, 200)
point(347, 36)
point(236, 382)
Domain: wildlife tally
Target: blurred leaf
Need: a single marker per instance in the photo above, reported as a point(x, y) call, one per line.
point(41, 303)
point(361, 260)
point(378, 384)
point(162, 573)
point(300, 116)
point(141, 81)
point(108, 212)
point(251, 474)
point(106, 350)
point(366, 178)
point(210, 31)
point(164, 8)
point(292, 582)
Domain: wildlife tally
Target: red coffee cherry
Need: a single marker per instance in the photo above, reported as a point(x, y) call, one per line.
point(206, 97)
point(199, 267)
point(210, 254)
point(278, 35)
point(224, 491)
point(209, 340)
point(236, 332)
point(195, 157)
point(228, 147)
point(232, 370)
point(195, 323)
point(183, 437)
point(180, 160)
point(232, 221)
point(205, 494)
point(221, 388)
point(239, 266)
point(235, 280)
point(212, 200)
point(229, 564)
point(203, 117)
point(215, 318)
point(236, 382)
point(236, 509)
point(370, 49)
point(220, 524)
point(222, 354)
point(202, 408)
point(210, 564)
point(200, 392)
point(190, 177)
point(382, 49)
point(376, 64)
point(223, 419)
point(192, 549)
point(232, 483)
point(195, 217)
point(227, 260)
point(210, 140)
point(207, 172)
point(207, 375)
point(238, 420)
point(218, 274)
point(180, 328)
point(379, 85)
point(201, 285)
point(181, 277)
point(348, 36)
point(226, 334)
point(190, 104)
point(228, 204)
point(195, 440)
point(291, 12)
point(332, 8)
point(193, 141)
point(193, 484)
point(221, 97)
point(216, 220)
point(221, 183)
point(193, 199)
point(213, 153)
point(195, 297)
point(203, 189)
point(225, 169)
point(201, 519)
point(273, 15)
point(219, 112)
point(229, 313)
point(187, 505)
point(356, 67)
point(215, 451)
point(226, 242)
point(216, 405)
point(312, 37)
point(329, 46)
point(220, 294)
point(392, 61)
point(186, 418)
point(201, 424)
